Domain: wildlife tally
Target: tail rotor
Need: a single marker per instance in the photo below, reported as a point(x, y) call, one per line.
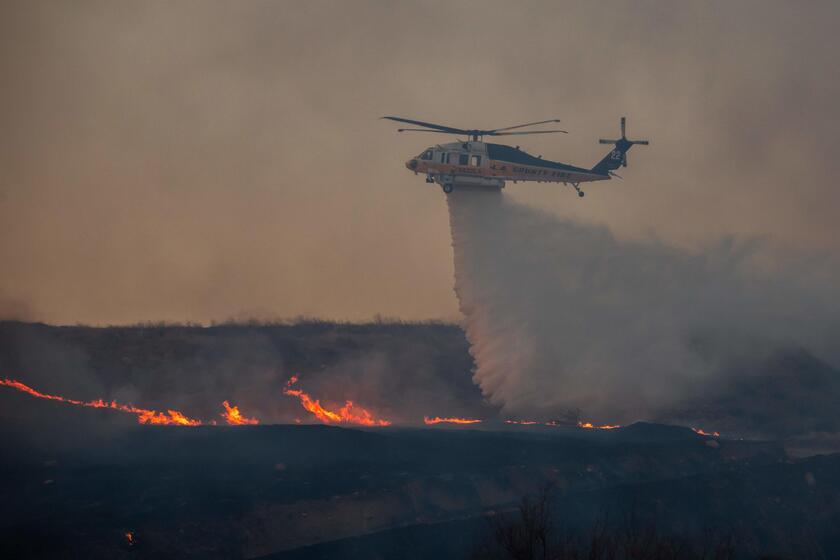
point(623, 144)
point(617, 157)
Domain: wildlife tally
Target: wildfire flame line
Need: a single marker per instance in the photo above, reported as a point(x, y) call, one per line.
point(350, 413)
point(556, 424)
point(144, 415)
point(438, 420)
point(590, 426)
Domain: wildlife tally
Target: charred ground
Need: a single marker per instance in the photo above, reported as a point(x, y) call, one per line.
point(75, 481)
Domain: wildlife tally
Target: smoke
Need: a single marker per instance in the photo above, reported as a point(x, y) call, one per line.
point(399, 371)
point(563, 316)
point(16, 309)
point(200, 160)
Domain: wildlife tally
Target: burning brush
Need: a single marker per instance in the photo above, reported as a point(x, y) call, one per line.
point(350, 413)
point(438, 420)
point(144, 415)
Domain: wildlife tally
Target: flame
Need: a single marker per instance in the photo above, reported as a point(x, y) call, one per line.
point(590, 426)
point(350, 413)
point(144, 415)
point(702, 433)
point(129, 538)
point(558, 424)
point(438, 420)
point(233, 417)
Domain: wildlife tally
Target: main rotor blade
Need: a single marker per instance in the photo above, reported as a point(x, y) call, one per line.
point(524, 125)
point(422, 130)
point(439, 127)
point(528, 132)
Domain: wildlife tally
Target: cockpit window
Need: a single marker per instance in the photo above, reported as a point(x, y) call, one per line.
point(463, 159)
point(475, 161)
point(427, 155)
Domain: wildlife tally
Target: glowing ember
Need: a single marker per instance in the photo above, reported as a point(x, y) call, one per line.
point(144, 415)
point(559, 424)
point(438, 420)
point(702, 433)
point(129, 538)
point(590, 426)
point(350, 413)
point(233, 417)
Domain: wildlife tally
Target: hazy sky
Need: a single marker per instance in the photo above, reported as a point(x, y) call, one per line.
point(209, 160)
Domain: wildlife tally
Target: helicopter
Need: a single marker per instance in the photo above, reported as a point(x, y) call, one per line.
point(476, 163)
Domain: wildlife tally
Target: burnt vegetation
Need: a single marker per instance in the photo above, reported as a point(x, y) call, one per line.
point(534, 532)
point(76, 481)
point(540, 529)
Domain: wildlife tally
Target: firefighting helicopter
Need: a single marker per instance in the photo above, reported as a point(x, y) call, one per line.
point(475, 163)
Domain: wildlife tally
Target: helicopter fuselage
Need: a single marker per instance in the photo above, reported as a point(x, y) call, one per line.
point(477, 163)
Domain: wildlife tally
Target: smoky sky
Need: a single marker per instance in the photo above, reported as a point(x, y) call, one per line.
point(208, 160)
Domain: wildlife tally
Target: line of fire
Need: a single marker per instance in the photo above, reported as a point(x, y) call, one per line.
point(350, 413)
